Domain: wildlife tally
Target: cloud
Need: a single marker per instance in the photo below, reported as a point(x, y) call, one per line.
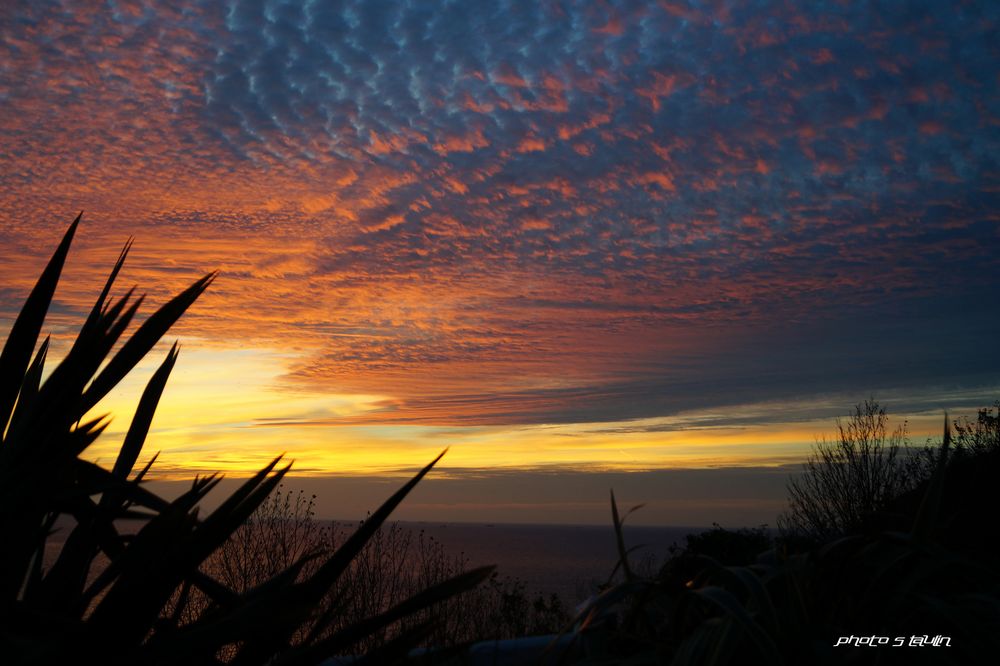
point(519, 212)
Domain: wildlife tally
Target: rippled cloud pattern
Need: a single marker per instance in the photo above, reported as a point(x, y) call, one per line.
point(533, 212)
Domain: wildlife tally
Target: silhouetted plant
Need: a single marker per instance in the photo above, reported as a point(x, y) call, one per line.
point(739, 547)
point(846, 481)
point(396, 563)
point(134, 610)
point(279, 533)
point(979, 436)
point(789, 607)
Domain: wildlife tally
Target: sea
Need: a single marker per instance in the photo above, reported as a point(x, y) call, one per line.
point(567, 560)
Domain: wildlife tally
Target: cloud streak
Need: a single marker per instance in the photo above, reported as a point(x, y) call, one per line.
point(521, 212)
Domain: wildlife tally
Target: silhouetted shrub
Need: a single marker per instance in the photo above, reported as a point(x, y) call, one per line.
point(396, 563)
point(980, 436)
point(137, 609)
point(739, 547)
point(847, 481)
point(919, 579)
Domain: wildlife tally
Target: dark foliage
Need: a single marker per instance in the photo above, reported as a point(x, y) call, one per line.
point(846, 481)
point(979, 436)
point(930, 570)
point(739, 547)
point(396, 563)
point(135, 609)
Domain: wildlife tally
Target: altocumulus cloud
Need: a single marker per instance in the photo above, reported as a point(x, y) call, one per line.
point(539, 212)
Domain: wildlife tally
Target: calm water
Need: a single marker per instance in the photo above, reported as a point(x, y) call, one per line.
point(568, 560)
point(565, 559)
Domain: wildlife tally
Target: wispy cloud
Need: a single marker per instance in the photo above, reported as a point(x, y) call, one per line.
point(521, 212)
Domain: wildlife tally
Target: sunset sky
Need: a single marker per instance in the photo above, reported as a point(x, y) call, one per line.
point(658, 246)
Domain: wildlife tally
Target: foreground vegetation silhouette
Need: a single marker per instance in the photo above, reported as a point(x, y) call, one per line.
point(397, 562)
point(847, 481)
point(919, 567)
point(136, 609)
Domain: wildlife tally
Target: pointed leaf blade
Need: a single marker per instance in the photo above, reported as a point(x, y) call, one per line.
point(24, 334)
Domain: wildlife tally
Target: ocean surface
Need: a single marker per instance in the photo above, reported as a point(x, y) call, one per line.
point(568, 560)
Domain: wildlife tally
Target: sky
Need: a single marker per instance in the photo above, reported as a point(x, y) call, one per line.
point(582, 244)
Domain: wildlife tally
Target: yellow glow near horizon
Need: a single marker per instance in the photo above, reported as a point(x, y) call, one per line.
point(209, 417)
point(228, 411)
